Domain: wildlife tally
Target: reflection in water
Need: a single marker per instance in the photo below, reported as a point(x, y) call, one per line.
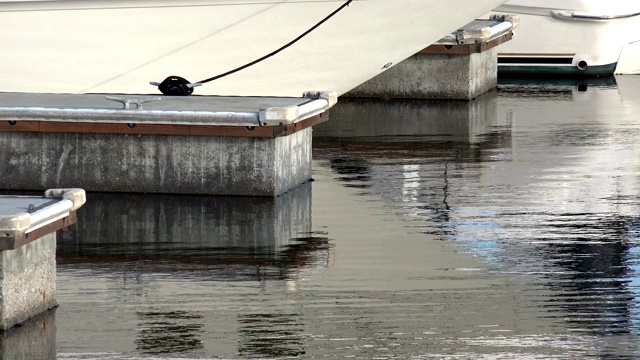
point(413, 138)
point(234, 238)
point(146, 248)
point(271, 336)
point(589, 271)
point(537, 85)
point(557, 205)
point(507, 227)
point(169, 332)
point(406, 121)
point(355, 172)
point(33, 339)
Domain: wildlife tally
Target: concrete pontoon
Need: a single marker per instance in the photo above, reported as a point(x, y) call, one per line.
point(247, 146)
point(28, 226)
point(460, 66)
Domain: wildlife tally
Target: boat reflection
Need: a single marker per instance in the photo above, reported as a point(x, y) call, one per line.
point(584, 223)
point(529, 86)
point(545, 190)
point(271, 335)
point(586, 268)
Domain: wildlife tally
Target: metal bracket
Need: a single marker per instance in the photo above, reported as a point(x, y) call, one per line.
point(127, 102)
point(330, 96)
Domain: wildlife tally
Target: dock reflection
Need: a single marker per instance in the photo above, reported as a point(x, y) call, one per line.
point(33, 339)
point(166, 332)
point(543, 189)
point(365, 140)
point(406, 120)
point(233, 238)
point(158, 253)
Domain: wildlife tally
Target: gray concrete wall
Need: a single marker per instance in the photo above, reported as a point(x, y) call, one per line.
point(27, 281)
point(435, 76)
point(293, 157)
point(155, 164)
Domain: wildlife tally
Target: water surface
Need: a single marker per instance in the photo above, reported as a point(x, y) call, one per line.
point(506, 227)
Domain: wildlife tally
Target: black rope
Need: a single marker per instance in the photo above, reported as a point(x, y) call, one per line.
point(278, 50)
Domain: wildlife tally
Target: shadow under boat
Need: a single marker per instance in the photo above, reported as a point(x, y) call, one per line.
point(232, 238)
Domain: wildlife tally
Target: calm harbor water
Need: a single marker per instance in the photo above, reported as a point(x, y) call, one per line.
point(503, 228)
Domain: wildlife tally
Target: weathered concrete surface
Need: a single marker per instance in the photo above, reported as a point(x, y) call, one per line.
point(455, 120)
point(155, 163)
point(435, 76)
point(27, 281)
point(34, 339)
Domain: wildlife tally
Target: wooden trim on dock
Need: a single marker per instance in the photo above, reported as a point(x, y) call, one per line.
point(14, 242)
point(160, 129)
point(286, 130)
point(467, 49)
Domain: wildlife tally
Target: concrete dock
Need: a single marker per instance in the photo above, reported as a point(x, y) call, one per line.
point(461, 66)
point(246, 146)
point(28, 226)
point(213, 145)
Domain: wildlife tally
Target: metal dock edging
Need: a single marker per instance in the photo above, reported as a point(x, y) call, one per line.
point(34, 222)
point(263, 122)
point(476, 37)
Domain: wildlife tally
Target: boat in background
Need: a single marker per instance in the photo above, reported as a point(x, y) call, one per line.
point(572, 37)
point(120, 46)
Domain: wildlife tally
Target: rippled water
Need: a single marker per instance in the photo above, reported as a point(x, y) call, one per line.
point(503, 228)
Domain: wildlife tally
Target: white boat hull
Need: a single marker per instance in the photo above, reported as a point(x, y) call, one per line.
point(119, 46)
point(572, 37)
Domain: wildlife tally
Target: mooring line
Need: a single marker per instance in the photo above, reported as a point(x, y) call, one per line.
point(280, 49)
point(176, 85)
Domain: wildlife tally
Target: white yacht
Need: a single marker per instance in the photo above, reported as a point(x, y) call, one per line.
point(572, 37)
point(230, 47)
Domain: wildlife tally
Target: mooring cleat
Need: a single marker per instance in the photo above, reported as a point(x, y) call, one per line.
point(127, 102)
